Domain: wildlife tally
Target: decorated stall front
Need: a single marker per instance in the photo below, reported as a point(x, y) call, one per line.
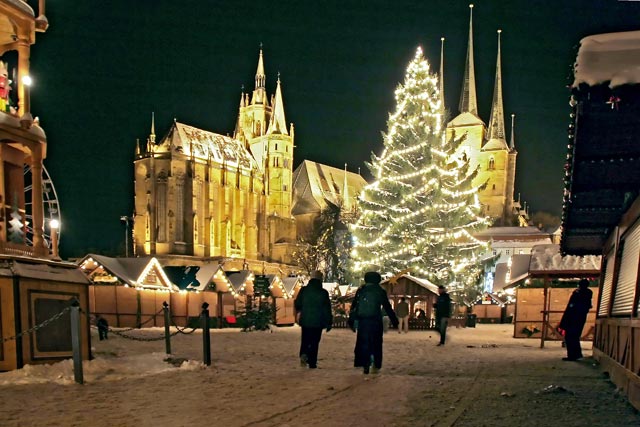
point(420, 293)
point(127, 292)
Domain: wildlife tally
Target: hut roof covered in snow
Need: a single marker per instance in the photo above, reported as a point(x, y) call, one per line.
point(548, 259)
point(602, 177)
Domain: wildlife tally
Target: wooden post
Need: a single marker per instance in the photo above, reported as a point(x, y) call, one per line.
point(206, 338)
point(545, 310)
point(76, 342)
point(167, 332)
point(220, 309)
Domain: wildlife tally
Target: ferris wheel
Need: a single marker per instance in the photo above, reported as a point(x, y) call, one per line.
point(50, 203)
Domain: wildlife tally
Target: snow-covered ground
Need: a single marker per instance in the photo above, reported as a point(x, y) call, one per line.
point(482, 377)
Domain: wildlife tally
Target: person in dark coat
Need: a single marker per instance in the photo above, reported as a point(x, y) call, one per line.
point(443, 312)
point(366, 310)
point(313, 314)
point(574, 318)
point(103, 327)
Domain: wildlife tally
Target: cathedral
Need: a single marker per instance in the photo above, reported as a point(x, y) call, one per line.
point(486, 146)
point(206, 195)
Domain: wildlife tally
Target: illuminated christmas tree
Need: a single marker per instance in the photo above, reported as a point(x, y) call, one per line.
point(422, 209)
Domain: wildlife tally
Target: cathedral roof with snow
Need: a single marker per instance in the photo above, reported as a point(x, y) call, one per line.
point(205, 145)
point(315, 185)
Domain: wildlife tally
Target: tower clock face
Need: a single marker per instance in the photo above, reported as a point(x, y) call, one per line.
point(49, 201)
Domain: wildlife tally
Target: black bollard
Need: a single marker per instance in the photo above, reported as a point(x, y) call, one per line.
point(206, 338)
point(76, 343)
point(167, 332)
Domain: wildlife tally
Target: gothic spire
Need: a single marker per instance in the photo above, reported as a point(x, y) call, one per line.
point(152, 134)
point(345, 191)
point(468, 101)
point(260, 77)
point(278, 124)
point(442, 107)
point(260, 93)
point(512, 144)
point(496, 122)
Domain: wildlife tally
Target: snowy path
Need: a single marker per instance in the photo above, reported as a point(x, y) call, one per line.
point(482, 377)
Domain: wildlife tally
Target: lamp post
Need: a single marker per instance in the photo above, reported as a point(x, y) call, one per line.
point(27, 119)
point(126, 220)
point(54, 225)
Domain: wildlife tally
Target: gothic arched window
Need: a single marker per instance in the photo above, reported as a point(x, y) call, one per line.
point(492, 163)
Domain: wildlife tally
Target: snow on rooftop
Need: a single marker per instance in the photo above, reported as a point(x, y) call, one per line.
point(549, 258)
point(611, 57)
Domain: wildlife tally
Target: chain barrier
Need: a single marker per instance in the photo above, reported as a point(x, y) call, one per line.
point(121, 333)
point(182, 331)
point(39, 326)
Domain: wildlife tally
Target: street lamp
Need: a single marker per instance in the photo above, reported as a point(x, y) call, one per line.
point(54, 225)
point(126, 220)
point(27, 119)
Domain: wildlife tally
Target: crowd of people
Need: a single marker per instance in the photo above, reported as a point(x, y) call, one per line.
point(371, 310)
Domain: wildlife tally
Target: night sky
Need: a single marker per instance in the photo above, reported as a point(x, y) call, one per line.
point(104, 66)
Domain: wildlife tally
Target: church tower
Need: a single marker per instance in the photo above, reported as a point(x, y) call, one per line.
point(468, 123)
point(486, 147)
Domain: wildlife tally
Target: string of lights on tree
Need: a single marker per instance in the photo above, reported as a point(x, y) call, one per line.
point(422, 211)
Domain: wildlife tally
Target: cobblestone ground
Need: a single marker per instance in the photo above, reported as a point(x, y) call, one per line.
point(482, 377)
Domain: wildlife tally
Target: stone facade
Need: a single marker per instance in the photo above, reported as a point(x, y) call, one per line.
point(202, 194)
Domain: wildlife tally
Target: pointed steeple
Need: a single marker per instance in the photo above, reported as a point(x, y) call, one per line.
point(512, 143)
point(152, 134)
point(468, 100)
point(278, 124)
point(496, 122)
point(137, 147)
point(242, 104)
point(345, 191)
point(260, 77)
point(260, 93)
point(441, 76)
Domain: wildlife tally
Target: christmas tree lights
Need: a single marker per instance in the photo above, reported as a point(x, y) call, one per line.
point(421, 212)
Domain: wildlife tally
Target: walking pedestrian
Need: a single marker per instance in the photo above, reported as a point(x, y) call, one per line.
point(443, 312)
point(574, 318)
point(366, 310)
point(402, 311)
point(313, 314)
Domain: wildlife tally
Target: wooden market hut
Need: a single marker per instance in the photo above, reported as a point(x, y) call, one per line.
point(552, 278)
point(127, 292)
point(199, 284)
point(421, 294)
point(281, 298)
point(31, 292)
point(491, 308)
point(601, 211)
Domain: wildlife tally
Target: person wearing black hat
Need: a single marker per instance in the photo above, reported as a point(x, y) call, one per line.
point(574, 318)
point(366, 310)
point(313, 314)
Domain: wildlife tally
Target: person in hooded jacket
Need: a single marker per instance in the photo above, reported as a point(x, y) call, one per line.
point(366, 310)
point(313, 314)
